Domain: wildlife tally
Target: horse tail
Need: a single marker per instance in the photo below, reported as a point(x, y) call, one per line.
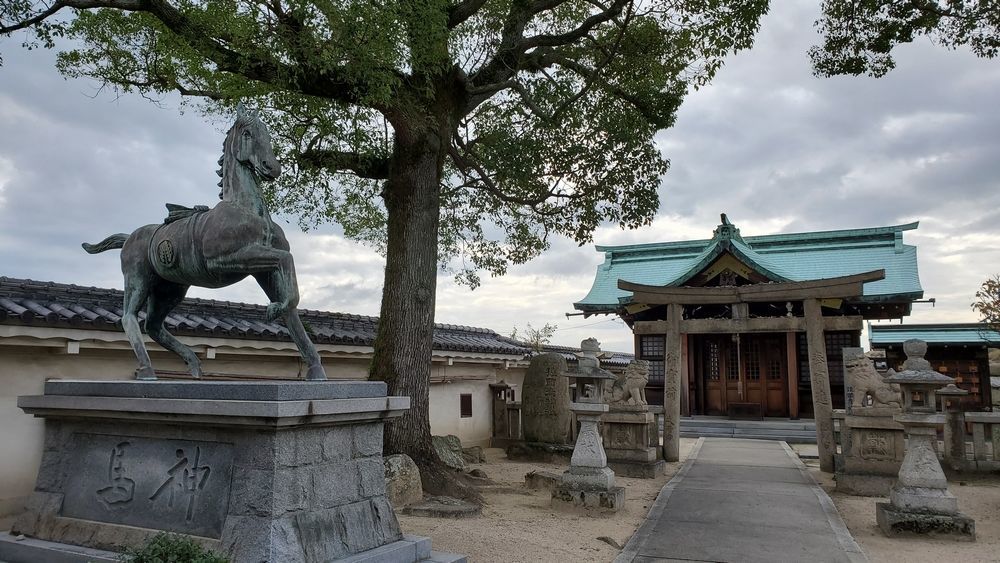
point(113, 241)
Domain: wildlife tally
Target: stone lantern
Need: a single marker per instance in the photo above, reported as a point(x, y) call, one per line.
point(919, 502)
point(589, 482)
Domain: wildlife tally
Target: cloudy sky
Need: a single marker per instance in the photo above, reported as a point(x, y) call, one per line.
point(774, 147)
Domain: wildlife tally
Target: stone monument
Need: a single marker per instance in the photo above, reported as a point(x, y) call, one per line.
point(258, 471)
point(545, 413)
point(872, 442)
point(919, 502)
point(589, 482)
point(213, 248)
point(626, 426)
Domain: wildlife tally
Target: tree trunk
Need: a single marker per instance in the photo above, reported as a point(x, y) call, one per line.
point(403, 346)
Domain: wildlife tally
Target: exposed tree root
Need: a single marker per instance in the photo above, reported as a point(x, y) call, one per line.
point(440, 480)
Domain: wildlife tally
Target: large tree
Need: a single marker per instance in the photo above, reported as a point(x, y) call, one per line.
point(442, 131)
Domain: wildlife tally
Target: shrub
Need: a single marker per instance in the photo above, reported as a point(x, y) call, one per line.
point(171, 548)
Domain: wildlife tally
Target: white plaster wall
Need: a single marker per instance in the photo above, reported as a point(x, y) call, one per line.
point(450, 382)
point(23, 371)
point(446, 412)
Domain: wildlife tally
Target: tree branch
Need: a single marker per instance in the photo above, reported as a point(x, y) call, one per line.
point(365, 166)
point(458, 13)
point(651, 113)
point(512, 54)
point(486, 183)
point(613, 11)
point(332, 84)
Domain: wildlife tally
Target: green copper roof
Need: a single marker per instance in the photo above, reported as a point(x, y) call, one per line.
point(784, 257)
point(973, 333)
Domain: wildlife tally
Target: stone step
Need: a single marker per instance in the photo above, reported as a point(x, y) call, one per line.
point(791, 438)
point(772, 431)
point(725, 423)
point(737, 432)
point(791, 431)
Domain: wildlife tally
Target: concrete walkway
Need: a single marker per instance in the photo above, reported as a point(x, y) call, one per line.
point(742, 500)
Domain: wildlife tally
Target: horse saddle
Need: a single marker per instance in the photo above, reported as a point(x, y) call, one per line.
point(177, 212)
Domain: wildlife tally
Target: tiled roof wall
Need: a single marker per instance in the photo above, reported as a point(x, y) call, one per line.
point(934, 334)
point(617, 359)
point(29, 302)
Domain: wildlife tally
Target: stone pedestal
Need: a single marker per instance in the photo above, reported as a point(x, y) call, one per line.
point(919, 502)
point(626, 436)
point(589, 482)
point(268, 471)
point(873, 449)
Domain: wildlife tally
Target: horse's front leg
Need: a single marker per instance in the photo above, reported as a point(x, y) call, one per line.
point(282, 290)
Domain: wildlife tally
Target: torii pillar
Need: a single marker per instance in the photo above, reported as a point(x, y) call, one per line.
point(819, 383)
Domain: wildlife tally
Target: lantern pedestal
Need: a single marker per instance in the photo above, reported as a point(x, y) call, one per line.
point(589, 482)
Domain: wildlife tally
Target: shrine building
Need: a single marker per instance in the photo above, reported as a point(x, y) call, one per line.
point(753, 316)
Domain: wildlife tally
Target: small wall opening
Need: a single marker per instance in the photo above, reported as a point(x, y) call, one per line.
point(465, 400)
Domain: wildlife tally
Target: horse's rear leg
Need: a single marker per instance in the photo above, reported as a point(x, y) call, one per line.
point(162, 299)
point(136, 293)
point(282, 289)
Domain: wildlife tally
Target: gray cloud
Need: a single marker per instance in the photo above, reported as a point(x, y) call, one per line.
point(775, 147)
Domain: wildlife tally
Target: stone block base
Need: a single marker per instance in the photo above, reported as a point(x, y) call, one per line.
point(31, 550)
point(410, 549)
point(610, 500)
point(540, 452)
point(894, 523)
point(444, 507)
point(287, 471)
point(587, 479)
point(650, 470)
point(864, 485)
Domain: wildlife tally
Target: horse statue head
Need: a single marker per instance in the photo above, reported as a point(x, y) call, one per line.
point(247, 146)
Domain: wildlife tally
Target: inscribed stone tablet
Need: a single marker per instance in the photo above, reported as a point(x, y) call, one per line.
point(545, 400)
point(174, 485)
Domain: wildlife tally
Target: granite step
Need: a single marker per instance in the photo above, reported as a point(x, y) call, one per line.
point(791, 431)
point(783, 424)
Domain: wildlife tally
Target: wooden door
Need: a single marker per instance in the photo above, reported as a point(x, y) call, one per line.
point(752, 355)
point(750, 369)
point(718, 372)
point(710, 351)
point(768, 373)
point(735, 386)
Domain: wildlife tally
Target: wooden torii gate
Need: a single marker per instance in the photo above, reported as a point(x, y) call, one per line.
point(810, 293)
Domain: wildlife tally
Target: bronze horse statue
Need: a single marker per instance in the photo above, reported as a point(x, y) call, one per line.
point(213, 248)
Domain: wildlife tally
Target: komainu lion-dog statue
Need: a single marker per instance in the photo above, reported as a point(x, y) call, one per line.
point(861, 375)
point(630, 387)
